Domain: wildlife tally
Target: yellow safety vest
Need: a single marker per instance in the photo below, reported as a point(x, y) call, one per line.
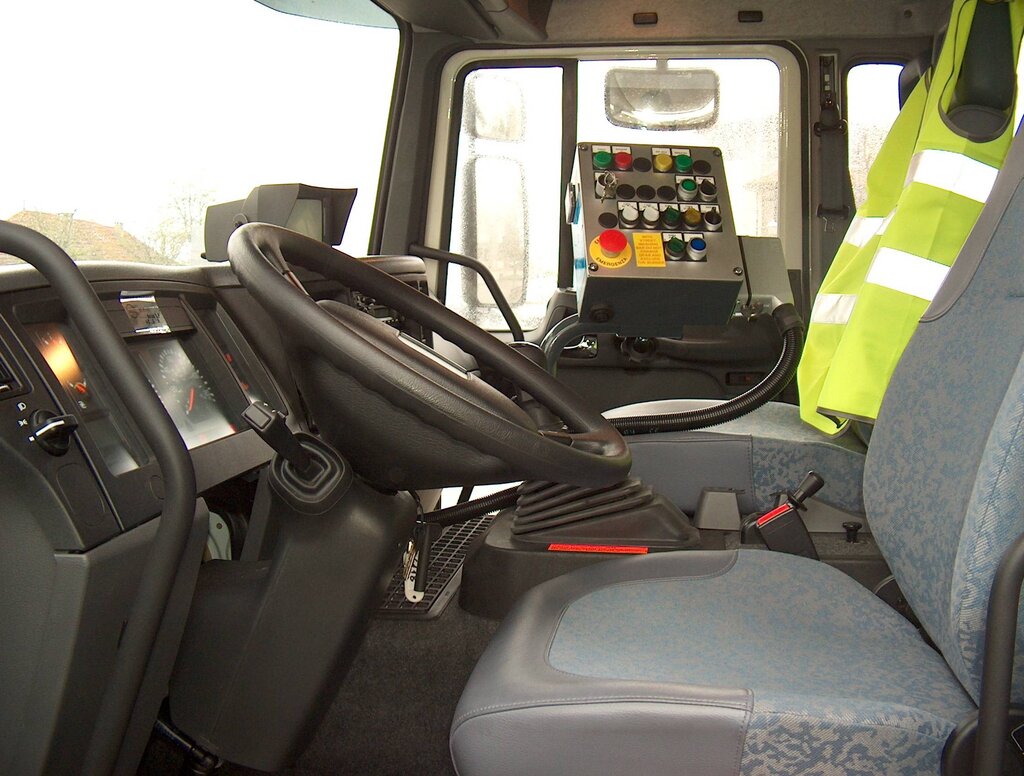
point(947, 183)
point(838, 293)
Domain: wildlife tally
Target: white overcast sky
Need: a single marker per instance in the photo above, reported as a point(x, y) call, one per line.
point(113, 106)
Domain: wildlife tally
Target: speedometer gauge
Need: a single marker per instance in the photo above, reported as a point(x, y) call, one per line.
point(185, 390)
point(183, 386)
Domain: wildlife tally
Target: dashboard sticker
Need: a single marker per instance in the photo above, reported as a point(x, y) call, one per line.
point(650, 251)
point(144, 315)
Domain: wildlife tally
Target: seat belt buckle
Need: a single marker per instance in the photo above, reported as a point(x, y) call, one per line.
point(782, 529)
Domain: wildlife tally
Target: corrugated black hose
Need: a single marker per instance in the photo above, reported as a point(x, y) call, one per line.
point(792, 329)
point(460, 513)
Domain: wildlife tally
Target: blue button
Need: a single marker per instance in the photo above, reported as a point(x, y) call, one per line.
point(698, 244)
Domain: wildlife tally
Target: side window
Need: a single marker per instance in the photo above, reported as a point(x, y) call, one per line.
point(507, 199)
point(746, 126)
point(872, 104)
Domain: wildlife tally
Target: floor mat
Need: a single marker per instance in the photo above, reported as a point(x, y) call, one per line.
point(392, 714)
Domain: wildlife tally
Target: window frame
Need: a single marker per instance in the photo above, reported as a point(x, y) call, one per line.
point(848, 67)
point(391, 135)
point(441, 189)
point(454, 129)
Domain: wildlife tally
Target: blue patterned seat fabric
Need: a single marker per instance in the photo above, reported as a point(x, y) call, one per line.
point(761, 454)
point(841, 684)
point(944, 478)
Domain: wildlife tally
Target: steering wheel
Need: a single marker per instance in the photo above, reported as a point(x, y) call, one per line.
point(404, 416)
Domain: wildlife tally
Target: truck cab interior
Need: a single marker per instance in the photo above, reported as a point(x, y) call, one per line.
point(493, 387)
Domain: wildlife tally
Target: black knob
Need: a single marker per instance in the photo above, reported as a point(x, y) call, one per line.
point(812, 484)
point(52, 432)
point(852, 527)
point(707, 191)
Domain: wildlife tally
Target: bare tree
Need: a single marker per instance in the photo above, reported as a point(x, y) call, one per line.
point(184, 214)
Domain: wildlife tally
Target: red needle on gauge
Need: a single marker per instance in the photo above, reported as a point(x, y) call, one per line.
point(191, 399)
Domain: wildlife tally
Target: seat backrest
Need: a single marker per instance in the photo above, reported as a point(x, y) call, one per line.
point(944, 476)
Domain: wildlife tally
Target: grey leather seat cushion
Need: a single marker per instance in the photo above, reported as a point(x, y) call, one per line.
point(706, 663)
point(763, 453)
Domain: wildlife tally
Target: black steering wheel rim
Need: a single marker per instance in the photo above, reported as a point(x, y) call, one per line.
point(589, 453)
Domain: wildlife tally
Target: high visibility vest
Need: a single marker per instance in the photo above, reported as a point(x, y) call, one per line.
point(947, 183)
point(834, 302)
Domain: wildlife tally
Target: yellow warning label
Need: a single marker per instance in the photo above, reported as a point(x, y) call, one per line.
point(650, 252)
point(613, 262)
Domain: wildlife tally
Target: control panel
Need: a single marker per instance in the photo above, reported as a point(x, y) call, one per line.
point(654, 240)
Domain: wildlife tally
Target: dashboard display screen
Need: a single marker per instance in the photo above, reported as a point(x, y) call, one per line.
point(186, 393)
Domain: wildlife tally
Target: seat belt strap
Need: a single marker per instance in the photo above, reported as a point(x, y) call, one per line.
point(835, 189)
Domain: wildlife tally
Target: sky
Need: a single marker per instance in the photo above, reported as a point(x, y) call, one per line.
point(114, 107)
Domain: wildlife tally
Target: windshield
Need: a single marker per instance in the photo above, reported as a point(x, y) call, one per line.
point(124, 120)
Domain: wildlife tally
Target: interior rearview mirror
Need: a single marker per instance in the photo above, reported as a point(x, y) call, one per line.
point(661, 98)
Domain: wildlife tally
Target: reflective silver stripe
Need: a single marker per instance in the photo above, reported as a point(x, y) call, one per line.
point(952, 172)
point(907, 273)
point(833, 308)
point(885, 223)
point(861, 230)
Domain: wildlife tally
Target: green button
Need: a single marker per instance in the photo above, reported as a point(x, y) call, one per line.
point(689, 184)
point(676, 247)
point(670, 217)
point(602, 160)
point(683, 163)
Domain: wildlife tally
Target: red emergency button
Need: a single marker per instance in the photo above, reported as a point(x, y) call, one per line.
point(612, 242)
point(623, 161)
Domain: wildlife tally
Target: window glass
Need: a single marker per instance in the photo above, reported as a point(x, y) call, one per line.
point(872, 104)
point(507, 192)
point(747, 129)
point(132, 117)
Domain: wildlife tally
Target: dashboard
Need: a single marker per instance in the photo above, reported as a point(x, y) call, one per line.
point(205, 348)
point(177, 325)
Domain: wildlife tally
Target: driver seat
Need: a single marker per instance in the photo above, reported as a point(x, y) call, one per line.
point(751, 662)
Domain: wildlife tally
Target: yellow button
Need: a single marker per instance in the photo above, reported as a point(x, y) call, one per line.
point(662, 162)
point(692, 217)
